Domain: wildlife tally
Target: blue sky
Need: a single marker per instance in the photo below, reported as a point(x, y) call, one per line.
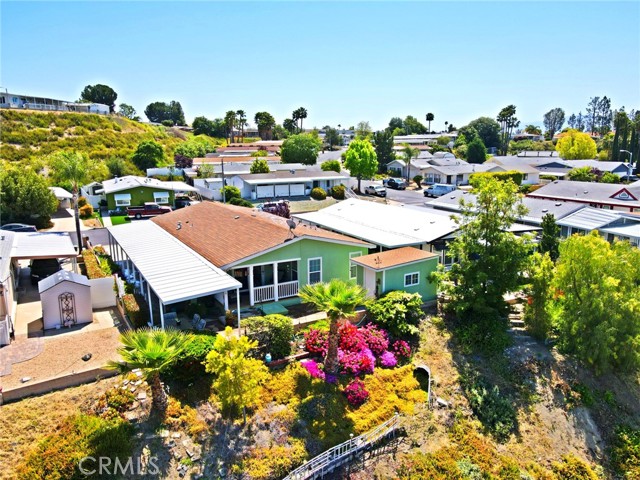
point(344, 62)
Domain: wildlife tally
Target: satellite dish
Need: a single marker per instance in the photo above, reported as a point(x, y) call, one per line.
point(291, 224)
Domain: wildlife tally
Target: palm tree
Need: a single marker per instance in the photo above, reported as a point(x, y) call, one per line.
point(339, 299)
point(72, 167)
point(409, 152)
point(229, 122)
point(151, 351)
point(430, 118)
point(299, 114)
point(241, 121)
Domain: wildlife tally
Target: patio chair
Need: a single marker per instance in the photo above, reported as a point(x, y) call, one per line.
point(198, 323)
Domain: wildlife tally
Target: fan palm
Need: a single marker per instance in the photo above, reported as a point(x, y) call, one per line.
point(339, 299)
point(151, 351)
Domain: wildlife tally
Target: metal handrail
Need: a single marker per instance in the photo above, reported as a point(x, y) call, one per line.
point(335, 456)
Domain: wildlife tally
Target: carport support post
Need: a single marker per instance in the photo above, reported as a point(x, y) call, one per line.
point(161, 314)
point(251, 293)
point(149, 303)
point(238, 306)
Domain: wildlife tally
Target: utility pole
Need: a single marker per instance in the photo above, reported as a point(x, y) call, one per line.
point(224, 193)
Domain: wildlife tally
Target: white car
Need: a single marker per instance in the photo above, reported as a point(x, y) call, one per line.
point(377, 190)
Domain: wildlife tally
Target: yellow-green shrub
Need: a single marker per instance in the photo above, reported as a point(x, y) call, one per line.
point(183, 417)
point(86, 211)
point(266, 463)
point(573, 468)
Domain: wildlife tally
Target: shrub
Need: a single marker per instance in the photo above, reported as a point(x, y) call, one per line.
point(573, 468)
point(318, 193)
point(358, 362)
point(388, 360)
point(337, 192)
point(178, 416)
point(418, 180)
point(136, 308)
point(313, 368)
point(272, 462)
point(114, 402)
point(351, 338)
point(376, 339)
point(401, 349)
point(241, 202)
point(189, 367)
point(86, 211)
point(82, 201)
point(494, 410)
point(273, 333)
point(167, 123)
point(230, 192)
point(331, 166)
point(57, 455)
point(513, 175)
point(356, 393)
point(316, 341)
point(399, 312)
point(625, 452)
point(91, 265)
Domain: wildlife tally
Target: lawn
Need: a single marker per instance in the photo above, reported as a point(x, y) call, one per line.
point(119, 220)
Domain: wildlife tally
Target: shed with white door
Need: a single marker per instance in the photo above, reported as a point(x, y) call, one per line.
point(66, 300)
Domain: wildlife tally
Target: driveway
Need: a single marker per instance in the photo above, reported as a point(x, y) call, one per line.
point(407, 197)
point(63, 221)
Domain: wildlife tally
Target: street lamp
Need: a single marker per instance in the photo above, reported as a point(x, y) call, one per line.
point(630, 162)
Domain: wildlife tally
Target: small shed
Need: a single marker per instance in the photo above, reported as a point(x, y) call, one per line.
point(66, 300)
point(64, 197)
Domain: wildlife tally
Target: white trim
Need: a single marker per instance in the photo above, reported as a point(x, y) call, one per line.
point(309, 270)
point(417, 282)
point(269, 263)
point(158, 196)
point(351, 265)
point(121, 198)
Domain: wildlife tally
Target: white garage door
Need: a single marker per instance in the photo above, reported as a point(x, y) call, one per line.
point(282, 190)
point(265, 191)
point(297, 189)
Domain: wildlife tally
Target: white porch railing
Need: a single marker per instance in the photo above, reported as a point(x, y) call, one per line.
point(288, 289)
point(263, 294)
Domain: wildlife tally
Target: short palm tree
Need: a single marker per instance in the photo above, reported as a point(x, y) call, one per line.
point(151, 351)
point(409, 152)
point(339, 299)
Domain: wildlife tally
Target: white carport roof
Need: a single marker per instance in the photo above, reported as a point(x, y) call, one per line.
point(29, 245)
point(60, 193)
point(174, 271)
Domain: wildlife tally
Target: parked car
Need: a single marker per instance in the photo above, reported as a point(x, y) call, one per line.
point(439, 189)
point(42, 268)
point(182, 202)
point(396, 184)
point(377, 190)
point(18, 227)
point(147, 210)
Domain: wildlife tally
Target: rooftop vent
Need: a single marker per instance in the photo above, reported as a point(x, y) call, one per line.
point(558, 204)
point(179, 226)
point(545, 210)
point(236, 217)
point(585, 192)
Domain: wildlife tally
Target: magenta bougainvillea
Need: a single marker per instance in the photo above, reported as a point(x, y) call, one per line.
point(401, 349)
point(317, 341)
point(388, 360)
point(376, 339)
point(313, 368)
point(358, 362)
point(356, 393)
point(351, 338)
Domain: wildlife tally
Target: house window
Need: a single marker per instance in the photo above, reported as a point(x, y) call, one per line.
point(525, 176)
point(353, 268)
point(122, 199)
point(161, 197)
point(315, 270)
point(411, 279)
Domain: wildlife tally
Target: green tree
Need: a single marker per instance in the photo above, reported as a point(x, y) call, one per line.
point(331, 166)
point(383, 143)
point(241, 122)
point(575, 145)
point(608, 177)
point(152, 351)
point(339, 299)
point(488, 130)
point(508, 121)
point(298, 115)
point(301, 148)
point(25, 197)
point(332, 137)
point(430, 118)
point(265, 123)
point(117, 167)
point(176, 114)
point(71, 167)
point(289, 124)
point(533, 130)
point(212, 128)
point(408, 153)
point(100, 94)
point(538, 312)
point(229, 192)
point(394, 124)
point(230, 123)
point(550, 239)
point(476, 151)
point(363, 130)
point(413, 126)
point(361, 160)
point(149, 154)
point(260, 165)
point(582, 174)
point(128, 111)
point(553, 121)
point(490, 259)
point(157, 112)
point(237, 376)
point(597, 288)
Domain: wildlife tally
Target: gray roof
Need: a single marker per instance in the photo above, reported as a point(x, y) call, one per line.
point(131, 181)
point(288, 176)
point(390, 226)
point(62, 276)
point(589, 218)
point(591, 192)
point(537, 207)
point(631, 230)
point(619, 167)
point(462, 168)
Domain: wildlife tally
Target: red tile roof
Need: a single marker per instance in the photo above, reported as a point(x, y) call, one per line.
point(226, 234)
point(393, 258)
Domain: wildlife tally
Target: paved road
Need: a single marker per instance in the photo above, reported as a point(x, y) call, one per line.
point(408, 197)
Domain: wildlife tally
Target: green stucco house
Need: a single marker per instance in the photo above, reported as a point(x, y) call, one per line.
point(132, 191)
point(405, 268)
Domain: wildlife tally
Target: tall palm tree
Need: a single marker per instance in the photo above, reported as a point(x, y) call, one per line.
point(299, 114)
point(430, 118)
point(151, 351)
point(339, 299)
point(71, 167)
point(230, 122)
point(241, 121)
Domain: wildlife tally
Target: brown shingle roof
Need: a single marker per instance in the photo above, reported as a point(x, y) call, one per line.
point(393, 258)
point(231, 159)
point(226, 234)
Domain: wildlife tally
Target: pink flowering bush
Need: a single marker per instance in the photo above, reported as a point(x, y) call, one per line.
point(313, 368)
point(356, 393)
point(356, 363)
point(376, 339)
point(351, 338)
point(316, 341)
point(388, 360)
point(401, 349)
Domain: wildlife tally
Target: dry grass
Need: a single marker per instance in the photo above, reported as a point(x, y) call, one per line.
point(23, 423)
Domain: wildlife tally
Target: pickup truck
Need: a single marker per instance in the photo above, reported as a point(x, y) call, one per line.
point(147, 210)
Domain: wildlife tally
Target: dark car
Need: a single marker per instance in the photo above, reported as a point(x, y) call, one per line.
point(42, 268)
point(18, 227)
point(396, 184)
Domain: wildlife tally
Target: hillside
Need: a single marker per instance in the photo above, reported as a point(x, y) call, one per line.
point(28, 135)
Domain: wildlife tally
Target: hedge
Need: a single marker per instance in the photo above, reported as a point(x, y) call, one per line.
point(273, 333)
point(512, 175)
point(136, 308)
point(91, 265)
point(318, 193)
